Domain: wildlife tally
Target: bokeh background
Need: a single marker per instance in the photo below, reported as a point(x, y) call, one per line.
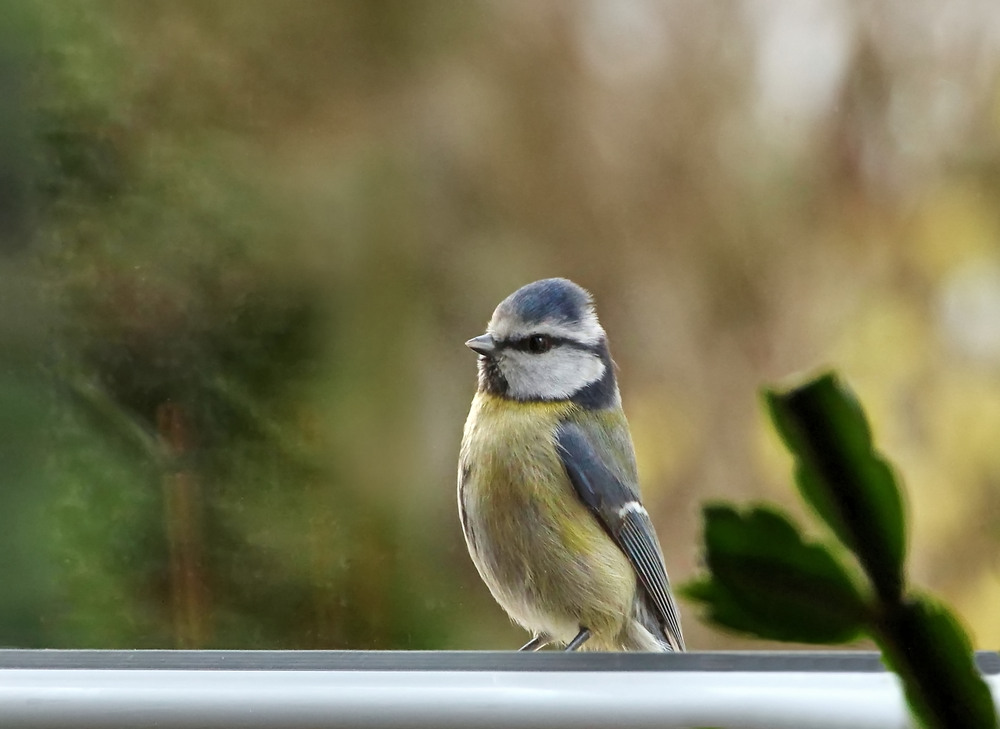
point(241, 244)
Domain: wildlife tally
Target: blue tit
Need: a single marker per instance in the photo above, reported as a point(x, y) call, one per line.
point(547, 487)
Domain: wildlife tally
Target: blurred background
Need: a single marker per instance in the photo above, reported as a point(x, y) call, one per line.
point(241, 245)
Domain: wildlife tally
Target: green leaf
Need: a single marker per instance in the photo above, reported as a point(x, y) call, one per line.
point(926, 645)
point(726, 611)
point(766, 580)
point(839, 474)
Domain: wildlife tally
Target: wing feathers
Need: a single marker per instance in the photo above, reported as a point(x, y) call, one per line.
point(616, 507)
point(636, 537)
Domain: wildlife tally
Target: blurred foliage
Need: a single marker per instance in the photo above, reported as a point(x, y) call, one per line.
point(241, 245)
point(767, 581)
point(764, 580)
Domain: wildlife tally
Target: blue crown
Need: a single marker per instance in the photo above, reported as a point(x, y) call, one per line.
point(551, 299)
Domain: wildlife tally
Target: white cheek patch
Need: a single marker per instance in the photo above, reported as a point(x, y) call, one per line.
point(555, 375)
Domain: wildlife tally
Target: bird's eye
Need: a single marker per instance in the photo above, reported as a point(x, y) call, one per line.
point(539, 343)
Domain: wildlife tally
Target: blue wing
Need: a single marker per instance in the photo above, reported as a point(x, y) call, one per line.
point(617, 508)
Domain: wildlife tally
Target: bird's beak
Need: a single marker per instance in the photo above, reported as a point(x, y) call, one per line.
point(483, 344)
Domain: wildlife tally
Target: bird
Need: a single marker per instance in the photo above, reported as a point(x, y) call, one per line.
point(548, 491)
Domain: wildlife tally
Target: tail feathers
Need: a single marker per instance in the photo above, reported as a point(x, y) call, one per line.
point(646, 633)
point(640, 638)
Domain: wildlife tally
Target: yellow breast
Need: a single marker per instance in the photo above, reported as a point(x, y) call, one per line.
point(544, 556)
point(507, 440)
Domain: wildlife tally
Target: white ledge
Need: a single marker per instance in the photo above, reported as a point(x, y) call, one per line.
point(216, 690)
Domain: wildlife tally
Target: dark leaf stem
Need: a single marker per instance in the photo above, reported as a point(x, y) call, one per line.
point(838, 472)
point(926, 646)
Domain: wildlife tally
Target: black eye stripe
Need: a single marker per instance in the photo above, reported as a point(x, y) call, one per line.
point(523, 344)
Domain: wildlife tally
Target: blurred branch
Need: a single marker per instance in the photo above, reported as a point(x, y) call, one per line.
point(109, 415)
point(183, 502)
